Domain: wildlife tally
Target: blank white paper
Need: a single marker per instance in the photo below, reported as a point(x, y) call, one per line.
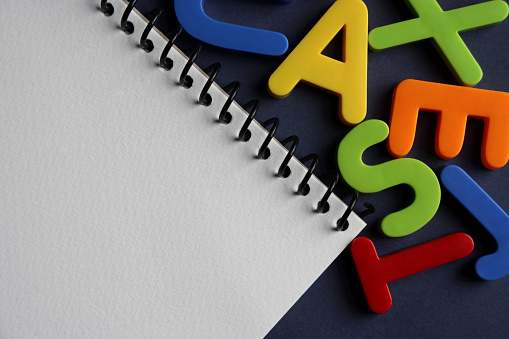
point(126, 209)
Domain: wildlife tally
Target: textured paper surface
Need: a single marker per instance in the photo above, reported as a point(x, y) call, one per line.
point(127, 211)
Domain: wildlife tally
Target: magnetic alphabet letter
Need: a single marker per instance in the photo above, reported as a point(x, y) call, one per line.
point(348, 79)
point(371, 179)
point(454, 104)
point(192, 17)
point(496, 265)
point(443, 28)
point(375, 273)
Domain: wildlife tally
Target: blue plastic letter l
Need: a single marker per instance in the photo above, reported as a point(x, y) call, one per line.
point(193, 19)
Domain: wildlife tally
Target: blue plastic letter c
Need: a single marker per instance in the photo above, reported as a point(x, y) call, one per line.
point(193, 19)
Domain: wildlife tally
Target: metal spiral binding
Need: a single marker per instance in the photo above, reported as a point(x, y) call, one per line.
point(106, 8)
point(225, 117)
point(245, 133)
point(264, 151)
point(323, 205)
point(304, 188)
point(145, 43)
point(185, 80)
point(205, 98)
point(164, 61)
point(342, 223)
point(285, 171)
point(127, 26)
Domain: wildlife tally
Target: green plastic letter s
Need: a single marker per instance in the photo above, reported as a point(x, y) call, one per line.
point(371, 179)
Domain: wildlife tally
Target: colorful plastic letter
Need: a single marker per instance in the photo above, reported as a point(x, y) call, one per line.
point(370, 179)
point(454, 104)
point(347, 79)
point(489, 214)
point(193, 19)
point(443, 28)
point(375, 273)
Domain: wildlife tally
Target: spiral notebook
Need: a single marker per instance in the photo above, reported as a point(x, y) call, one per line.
point(127, 210)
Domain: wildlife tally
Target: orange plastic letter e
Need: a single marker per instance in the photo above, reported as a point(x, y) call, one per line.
point(454, 104)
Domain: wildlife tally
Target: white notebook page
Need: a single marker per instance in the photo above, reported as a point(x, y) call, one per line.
point(126, 210)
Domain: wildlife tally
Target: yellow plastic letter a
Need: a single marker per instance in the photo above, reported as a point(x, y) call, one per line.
point(346, 79)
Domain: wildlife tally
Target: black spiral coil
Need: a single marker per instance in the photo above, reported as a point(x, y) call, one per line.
point(126, 25)
point(146, 43)
point(225, 117)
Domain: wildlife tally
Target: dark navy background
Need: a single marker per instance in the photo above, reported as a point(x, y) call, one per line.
point(448, 301)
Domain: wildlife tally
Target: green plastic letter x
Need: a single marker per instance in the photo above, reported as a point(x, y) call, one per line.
point(443, 27)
